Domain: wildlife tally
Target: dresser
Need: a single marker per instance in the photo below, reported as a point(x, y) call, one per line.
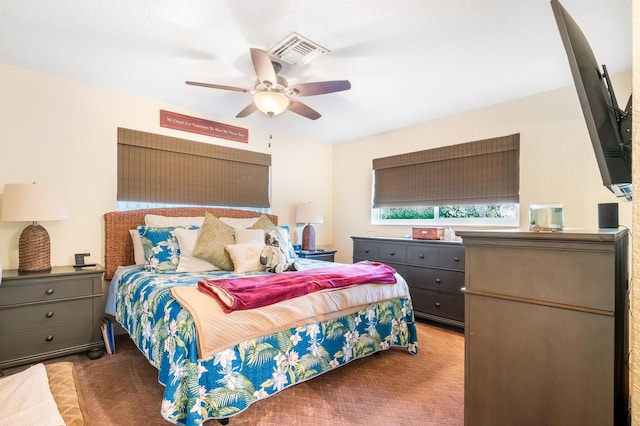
point(50, 314)
point(546, 326)
point(433, 269)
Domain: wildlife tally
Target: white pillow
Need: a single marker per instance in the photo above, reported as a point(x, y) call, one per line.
point(164, 221)
point(138, 250)
point(239, 222)
point(187, 239)
point(249, 235)
point(245, 257)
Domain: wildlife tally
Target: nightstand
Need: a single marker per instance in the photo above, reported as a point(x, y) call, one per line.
point(326, 255)
point(49, 314)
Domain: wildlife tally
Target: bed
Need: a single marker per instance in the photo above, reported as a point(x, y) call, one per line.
point(258, 352)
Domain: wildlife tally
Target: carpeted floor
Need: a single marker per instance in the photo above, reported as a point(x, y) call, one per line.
point(391, 388)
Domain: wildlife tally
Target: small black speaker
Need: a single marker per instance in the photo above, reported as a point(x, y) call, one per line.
point(608, 215)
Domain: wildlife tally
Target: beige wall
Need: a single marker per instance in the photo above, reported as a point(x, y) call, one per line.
point(557, 163)
point(64, 132)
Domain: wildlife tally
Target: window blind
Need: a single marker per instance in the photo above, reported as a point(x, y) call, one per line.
point(163, 169)
point(479, 172)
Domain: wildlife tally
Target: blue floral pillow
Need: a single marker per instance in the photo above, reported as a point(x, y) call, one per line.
point(161, 249)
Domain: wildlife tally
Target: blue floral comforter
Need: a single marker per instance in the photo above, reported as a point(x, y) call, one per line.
point(228, 382)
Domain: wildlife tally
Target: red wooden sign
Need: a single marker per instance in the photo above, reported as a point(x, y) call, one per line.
point(186, 123)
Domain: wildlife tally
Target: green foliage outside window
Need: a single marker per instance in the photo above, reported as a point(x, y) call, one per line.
point(407, 213)
point(489, 210)
point(492, 211)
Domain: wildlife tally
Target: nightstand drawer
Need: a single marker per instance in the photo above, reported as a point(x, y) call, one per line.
point(44, 339)
point(43, 290)
point(45, 314)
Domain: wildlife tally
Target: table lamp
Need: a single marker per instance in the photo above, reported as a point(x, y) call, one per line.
point(33, 202)
point(308, 213)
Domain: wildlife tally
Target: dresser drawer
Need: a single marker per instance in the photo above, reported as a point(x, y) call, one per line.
point(380, 251)
point(438, 304)
point(433, 255)
point(554, 275)
point(50, 289)
point(44, 339)
point(45, 314)
point(435, 279)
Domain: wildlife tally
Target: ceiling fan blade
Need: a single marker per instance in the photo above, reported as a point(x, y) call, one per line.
point(304, 110)
point(264, 68)
point(249, 109)
point(218, 86)
point(321, 87)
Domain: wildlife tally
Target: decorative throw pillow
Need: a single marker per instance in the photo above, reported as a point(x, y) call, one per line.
point(239, 222)
point(283, 235)
point(246, 256)
point(138, 250)
point(286, 237)
point(249, 235)
point(214, 236)
point(161, 250)
point(188, 263)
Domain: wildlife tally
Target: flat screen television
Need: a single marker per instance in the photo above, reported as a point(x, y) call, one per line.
point(609, 127)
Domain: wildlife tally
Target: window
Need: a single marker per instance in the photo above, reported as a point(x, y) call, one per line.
point(160, 169)
point(471, 183)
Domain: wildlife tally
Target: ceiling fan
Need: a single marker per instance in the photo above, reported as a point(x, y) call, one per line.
point(272, 95)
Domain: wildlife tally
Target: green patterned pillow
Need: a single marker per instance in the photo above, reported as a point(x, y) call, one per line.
point(214, 236)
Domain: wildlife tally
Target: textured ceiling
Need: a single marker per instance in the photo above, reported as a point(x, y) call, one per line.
point(408, 61)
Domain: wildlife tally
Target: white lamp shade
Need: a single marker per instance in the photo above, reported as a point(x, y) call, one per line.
point(33, 202)
point(271, 103)
point(308, 213)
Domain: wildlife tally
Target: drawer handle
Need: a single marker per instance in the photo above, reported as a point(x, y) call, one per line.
point(366, 250)
point(48, 338)
point(48, 314)
point(49, 292)
point(391, 253)
point(457, 259)
point(421, 256)
point(437, 304)
point(438, 280)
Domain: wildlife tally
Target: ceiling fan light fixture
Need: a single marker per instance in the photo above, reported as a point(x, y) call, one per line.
point(271, 103)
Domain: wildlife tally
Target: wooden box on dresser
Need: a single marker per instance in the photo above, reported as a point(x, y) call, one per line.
point(433, 269)
point(546, 328)
point(49, 314)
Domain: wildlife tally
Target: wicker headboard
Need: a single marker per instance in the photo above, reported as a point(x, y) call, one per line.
point(118, 248)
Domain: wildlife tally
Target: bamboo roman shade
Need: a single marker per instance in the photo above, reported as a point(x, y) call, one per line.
point(163, 169)
point(480, 172)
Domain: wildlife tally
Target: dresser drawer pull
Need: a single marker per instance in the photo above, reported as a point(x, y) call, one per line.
point(366, 250)
point(49, 292)
point(437, 304)
point(438, 280)
point(48, 314)
point(457, 259)
point(421, 256)
point(48, 338)
point(391, 253)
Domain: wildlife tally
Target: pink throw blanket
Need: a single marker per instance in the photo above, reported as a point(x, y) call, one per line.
point(262, 290)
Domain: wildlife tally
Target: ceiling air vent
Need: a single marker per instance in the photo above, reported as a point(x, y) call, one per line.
point(296, 50)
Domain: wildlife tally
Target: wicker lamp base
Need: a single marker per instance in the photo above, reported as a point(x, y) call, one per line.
point(309, 238)
point(34, 249)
